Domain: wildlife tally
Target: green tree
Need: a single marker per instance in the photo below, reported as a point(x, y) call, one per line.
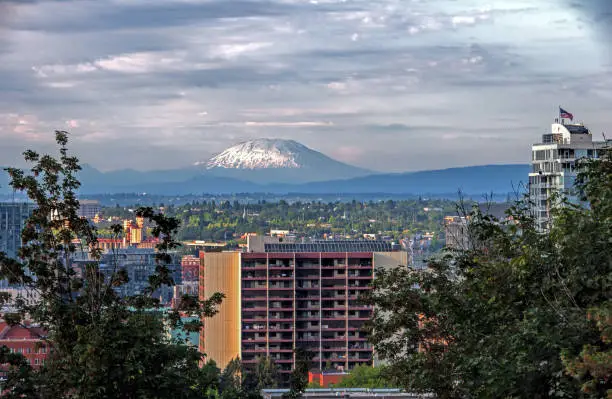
point(593, 366)
point(230, 384)
point(497, 321)
point(102, 345)
point(209, 380)
point(365, 377)
point(298, 381)
point(266, 373)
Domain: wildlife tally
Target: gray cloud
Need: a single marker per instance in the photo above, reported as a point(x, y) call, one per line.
point(386, 84)
point(598, 12)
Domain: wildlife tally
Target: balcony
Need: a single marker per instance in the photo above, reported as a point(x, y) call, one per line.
point(334, 267)
point(333, 307)
point(274, 266)
point(359, 287)
point(280, 288)
point(280, 340)
point(254, 278)
point(360, 308)
point(359, 349)
point(280, 329)
point(308, 336)
point(334, 315)
point(255, 327)
point(307, 329)
point(251, 289)
point(281, 278)
point(360, 277)
point(253, 340)
point(254, 268)
point(254, 309)
point(253, 320)
point(336, 339)
point(254, 298)
point(308, 284)
point(255, 350)
point(307, 266)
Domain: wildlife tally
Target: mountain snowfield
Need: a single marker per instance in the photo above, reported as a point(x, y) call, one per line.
point(262, 154)
point(268, 161)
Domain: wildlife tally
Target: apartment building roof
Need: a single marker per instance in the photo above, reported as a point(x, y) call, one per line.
point(331, 246)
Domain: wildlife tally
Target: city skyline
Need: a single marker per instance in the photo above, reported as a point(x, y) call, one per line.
point(386, 85)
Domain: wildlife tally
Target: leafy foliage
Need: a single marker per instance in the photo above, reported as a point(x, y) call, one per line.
point(102, 345)
point(239, 382)
point(365, 377)
point(593, 366)
point(298, 381)
point(210, 220)
point(494, 320)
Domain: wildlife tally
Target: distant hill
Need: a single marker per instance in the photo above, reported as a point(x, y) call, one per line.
point(473, 180)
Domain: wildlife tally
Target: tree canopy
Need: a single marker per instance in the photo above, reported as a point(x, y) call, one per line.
point(365, 377)
point(102, 345)
point(521, 314)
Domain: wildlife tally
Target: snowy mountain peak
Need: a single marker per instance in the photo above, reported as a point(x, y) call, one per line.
point(264, 154)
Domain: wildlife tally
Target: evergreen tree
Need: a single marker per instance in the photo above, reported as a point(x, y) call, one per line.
point(298, 381)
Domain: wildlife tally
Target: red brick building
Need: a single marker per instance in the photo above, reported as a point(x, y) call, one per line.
point(190, 267)
point(27, 341)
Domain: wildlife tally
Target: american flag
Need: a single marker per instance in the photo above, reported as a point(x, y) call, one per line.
point(564, 114)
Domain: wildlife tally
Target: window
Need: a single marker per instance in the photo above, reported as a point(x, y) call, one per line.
point(29, 350)
point(36, 361)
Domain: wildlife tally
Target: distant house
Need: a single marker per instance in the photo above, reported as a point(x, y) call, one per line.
point(29, 340)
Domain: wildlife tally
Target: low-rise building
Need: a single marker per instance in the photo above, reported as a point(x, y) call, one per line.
point(29, 340)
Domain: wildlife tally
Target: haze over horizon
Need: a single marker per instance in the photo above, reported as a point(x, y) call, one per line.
point(387, 85)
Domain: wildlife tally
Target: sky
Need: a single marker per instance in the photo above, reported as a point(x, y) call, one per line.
point(389, 85)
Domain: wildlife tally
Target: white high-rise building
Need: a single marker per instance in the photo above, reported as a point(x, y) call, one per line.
point(553, 163)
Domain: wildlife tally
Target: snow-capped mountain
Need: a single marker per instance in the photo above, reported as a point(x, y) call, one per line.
point(262, 154)
point(278, 161)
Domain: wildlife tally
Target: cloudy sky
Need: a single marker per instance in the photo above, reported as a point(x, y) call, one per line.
point(391, 85)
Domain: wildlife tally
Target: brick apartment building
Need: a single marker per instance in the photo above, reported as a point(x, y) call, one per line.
point(283, 295)
point(27, 341)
